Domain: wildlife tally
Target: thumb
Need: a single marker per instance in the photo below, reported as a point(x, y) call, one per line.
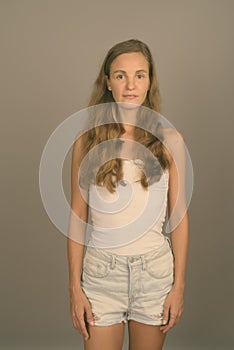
point(89, 315)
point(165, 314)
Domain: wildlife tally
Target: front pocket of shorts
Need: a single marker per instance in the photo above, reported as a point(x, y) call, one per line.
point(95, 267)
point(161, 266)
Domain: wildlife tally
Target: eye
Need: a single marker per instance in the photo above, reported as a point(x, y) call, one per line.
point(120, 76)
point(140, 76)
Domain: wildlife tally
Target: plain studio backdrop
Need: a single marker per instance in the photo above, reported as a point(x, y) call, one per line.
point(51, 52)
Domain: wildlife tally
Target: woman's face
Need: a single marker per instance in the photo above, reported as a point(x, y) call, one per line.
point(129, 78)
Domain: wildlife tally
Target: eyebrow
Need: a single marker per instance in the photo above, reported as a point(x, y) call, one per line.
point(123, 71)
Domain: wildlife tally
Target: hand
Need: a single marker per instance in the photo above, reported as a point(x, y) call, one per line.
point(79, 305)
point(173, 308)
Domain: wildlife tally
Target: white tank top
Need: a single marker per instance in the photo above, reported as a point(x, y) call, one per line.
point(129, 221)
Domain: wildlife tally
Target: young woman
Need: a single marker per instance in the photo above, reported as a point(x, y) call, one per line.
point(142, 280)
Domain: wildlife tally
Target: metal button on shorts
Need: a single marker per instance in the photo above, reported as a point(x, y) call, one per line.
point(124, 287)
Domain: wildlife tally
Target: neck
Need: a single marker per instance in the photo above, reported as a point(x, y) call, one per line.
point(128, 113)
point(129, 130)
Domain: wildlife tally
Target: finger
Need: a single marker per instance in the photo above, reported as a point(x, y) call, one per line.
point(80, 318)
point(89, 316)
point(76, 324)
point(165, 314)
point(171, 323)
point(172, 320)
point(178, 317)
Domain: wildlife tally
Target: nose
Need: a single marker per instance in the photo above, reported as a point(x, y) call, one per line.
point(130, 83)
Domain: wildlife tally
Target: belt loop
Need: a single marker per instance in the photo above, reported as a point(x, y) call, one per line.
point(112, 261)
point(143, 262)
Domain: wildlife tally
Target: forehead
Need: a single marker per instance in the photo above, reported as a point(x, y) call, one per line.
point(133, 61)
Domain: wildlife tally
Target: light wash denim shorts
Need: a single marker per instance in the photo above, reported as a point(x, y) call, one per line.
point(128, 287)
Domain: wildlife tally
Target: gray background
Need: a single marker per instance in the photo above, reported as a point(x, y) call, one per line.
point(50, 55)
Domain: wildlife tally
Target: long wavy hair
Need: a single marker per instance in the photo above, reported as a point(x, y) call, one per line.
point(111, 172)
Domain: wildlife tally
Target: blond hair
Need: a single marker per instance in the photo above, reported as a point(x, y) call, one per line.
point(110, 172)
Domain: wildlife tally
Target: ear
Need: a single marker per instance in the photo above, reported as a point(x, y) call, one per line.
point(108, 84)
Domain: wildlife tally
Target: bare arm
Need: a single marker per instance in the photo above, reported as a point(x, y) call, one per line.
point(178, 222)
point(179, 238)
point(79, 303)
point(177, 203)
point(79, 209)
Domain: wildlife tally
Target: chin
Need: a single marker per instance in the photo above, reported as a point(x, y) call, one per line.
point(129, 105)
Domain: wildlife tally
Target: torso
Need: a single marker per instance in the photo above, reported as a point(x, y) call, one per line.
point(127, 147)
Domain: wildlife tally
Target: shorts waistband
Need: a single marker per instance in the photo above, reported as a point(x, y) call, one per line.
point(125, 259)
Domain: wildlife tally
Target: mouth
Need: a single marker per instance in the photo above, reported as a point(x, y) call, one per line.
point(130, 97)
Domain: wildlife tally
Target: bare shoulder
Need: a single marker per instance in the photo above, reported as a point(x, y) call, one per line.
point(171, 134)
point(173, 140)
point(79, 196)
point(79, 140)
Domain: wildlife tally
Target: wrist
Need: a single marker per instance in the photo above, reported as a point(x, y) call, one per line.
point(73, 287)
point(179, 285)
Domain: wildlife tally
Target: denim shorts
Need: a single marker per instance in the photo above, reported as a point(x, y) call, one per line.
point(127, 287)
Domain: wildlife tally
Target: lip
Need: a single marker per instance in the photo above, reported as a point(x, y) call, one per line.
point(130, 96)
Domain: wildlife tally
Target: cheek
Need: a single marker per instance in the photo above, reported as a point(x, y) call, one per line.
point(144, 86)
point(144, 90)
point(116, 89)
point(147, 85)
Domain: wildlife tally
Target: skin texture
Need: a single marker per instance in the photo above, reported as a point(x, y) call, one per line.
point(128, 82)
point(129, 78)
